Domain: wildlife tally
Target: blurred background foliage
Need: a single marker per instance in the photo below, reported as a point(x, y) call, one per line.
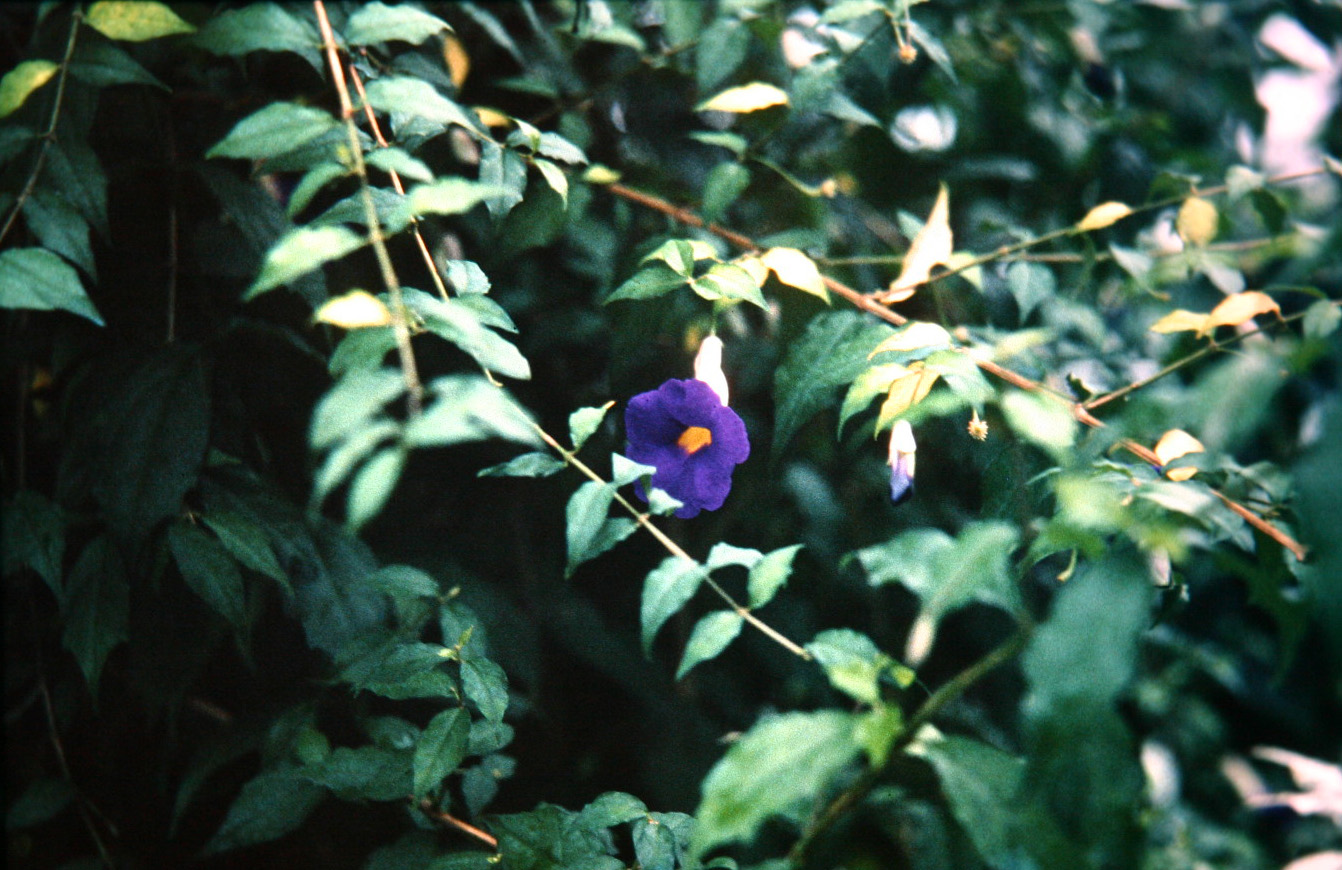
point(1135, 676)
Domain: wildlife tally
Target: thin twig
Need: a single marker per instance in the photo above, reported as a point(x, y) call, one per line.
point(426, 806)
point(409, 371)
point(868, 303)
point(675, 549)
point(49, 135)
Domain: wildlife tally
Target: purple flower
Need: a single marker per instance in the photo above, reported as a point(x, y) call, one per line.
point(903, 450)
point(695, 441)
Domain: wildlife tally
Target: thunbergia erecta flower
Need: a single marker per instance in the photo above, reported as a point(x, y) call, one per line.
point(685, 430)
point(902, 450)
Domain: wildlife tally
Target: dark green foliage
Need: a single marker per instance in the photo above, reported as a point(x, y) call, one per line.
point(372, 584)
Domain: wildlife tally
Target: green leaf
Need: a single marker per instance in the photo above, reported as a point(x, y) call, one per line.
point(367, 773)
point(654, 844)
point(44, 799)
point(247, 542)
point(362, 350)
point(831, 353)
point(585, 421)
point(556, 147)
point(502, 169)
point(667, 589)
point(96, 608)
point(134, 20)
point(398, 670)
point(1031, 284)
point(102, 64)
point(373, 485)
point(377, 22)
point(393, 159)
point(75, 173)
point(724, 554)
point(20, 82)
point(1041, 420)
point(1322, 318)
point(611, 808)
point(869, 384)
point(277, 129)
point(590, 532)
point(441, 750)
point(946, 573)
point(486, 685)
point(209, 571)
point(769, 575)
point(653, 280)
point(400, 95)
point(269, 806)
point(725, 183)
point(33, 536)
point(782, 766)
point(259, 27)
point(402, 581)
point(548, 838)
point(722, 49)
point(555, 177)
point(300, 251)
point(980, 783)
point(60, 229)
point(487, 737)
point(352, 403)
point(729, 282)
point(460, 323)
point(466, 277)
point(469, 408)
point(711, 635)
point(854, 664)
point(38, 279)
point(526, 465)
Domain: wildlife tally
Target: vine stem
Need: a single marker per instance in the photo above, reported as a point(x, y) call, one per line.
point(675, 549)
point(868, 303)
point(49, 135)
point(426, 806)
point(409, 370)
point(943, 696)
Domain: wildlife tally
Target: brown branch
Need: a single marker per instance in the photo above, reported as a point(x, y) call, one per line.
point(426, 806)
point(409, 370)
point(867, 303)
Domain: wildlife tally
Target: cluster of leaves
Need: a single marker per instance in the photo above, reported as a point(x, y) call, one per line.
point(281, 588)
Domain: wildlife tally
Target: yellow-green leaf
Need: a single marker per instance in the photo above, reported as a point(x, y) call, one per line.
point(1196, 222)
point(1103, 215)
point(746, 98)
point(795, 269)
point(21, 81)
point(135, 20)
point(299, 251)
point(932, 245)
point(353, 310)
point(1174, 444)
point(1180, 320)
point(918, 334)
point(906, 392)
point(1239, 308)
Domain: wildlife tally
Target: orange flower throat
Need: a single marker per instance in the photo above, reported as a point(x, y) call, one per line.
point(694, 439)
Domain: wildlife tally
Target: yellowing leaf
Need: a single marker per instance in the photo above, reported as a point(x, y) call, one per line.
point(600, 174)
point(353, 310)
point(492, 118)
point(135, 20)
point(754, 267)
point(795, 269)
point(1240, 308)
point(912, 337)
point(906, 392)
point(457, 61)
point(746, 98)
point(1196, 222)
point(1174, 444)
point(21, 81)
point(931, 246)
point(1103, 215)
point(1180, 320)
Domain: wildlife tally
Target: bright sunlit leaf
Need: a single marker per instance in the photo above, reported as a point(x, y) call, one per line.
point(916, 335)
point(746, 98)
point(931, 246)
point(353, 310)
point(1196, 222)
point(1240, 308)
point(458, 62)
point(905, 392)
point(795, 269)
point(1180, 320)
point(21, 81)
point(1174, 444)
point(1103, 215)
point(135, 20)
